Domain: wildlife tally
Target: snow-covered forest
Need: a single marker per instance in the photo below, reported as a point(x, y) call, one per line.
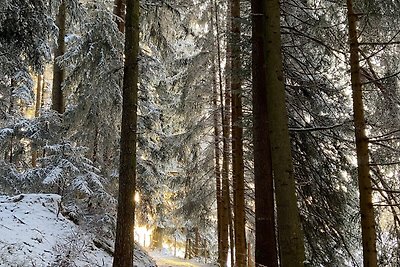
point(224, 132)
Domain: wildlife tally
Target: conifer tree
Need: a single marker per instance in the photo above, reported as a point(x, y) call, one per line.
point(119, 12)
point(368, 231)
point(265, 247)
point(237, 138)
point(217, 156)
point(290, 235)
point(223, 224)
point(57, 95)
point(38, 101)
point(124, 242)
point(226, 97)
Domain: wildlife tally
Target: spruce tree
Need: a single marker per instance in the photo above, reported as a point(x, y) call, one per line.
point(364, 180)
point(124, 242)
point(265, 246)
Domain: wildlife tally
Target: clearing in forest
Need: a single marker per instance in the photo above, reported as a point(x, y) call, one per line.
point(164, 260)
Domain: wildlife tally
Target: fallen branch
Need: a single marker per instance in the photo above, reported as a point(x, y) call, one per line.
point(5, 227)
point(104, 246)
point(18, 219)
point(17, 198)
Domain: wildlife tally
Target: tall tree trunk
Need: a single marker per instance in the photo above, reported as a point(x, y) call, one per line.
point(364, 180)
point(217, 166)
point(250, 262)
point(237, 136)
point(291, 240)
point(124, 243)
point(39, 87)
point(189, 247)
point(265, 247)
point(217, 156)
point(226, 134)
point(43, 92)
point(38, 104)
point(231, 234)
point(196, 250)
point(11, 149)
point(57, 96)
point(119, 12)
point(42, 102)
point(223, 246)
point(11, 111)
point(95, 144)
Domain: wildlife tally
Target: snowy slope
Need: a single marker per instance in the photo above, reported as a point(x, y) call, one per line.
point(32, 234)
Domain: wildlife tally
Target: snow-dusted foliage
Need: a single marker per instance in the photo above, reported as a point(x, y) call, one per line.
point(66, 167)
point(321, 158)
point(11, 178)
point(17, 138)
point(25, 28)
point(183, 96)
point(94, 62)
point(62, 164)
point(76, 154)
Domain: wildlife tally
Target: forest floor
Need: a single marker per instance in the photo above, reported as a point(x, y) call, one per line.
point(34, 233)
point(165, 260)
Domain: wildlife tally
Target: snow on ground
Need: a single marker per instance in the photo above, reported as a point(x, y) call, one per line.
point(164, 259)
point(32, 233)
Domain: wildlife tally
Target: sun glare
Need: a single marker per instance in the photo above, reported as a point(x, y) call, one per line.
point(137, 197)
point(143, 235)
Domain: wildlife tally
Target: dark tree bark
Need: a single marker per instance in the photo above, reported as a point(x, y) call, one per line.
point(196, 249)
point(57, 96)
point(119, 12)
point(265, 247)
point(38, 104)
point(95, 144)
point(43, 96)
point(39, 87)
point(217, 163)
point(231, 234)
point(237, 138)
point(290, 235)
point(217, 154)
point(43, 92)
point(364, 180)
point(9, 153)
point(223, 245)
point(226, 132)
point(187, 248)
point(124, 243)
